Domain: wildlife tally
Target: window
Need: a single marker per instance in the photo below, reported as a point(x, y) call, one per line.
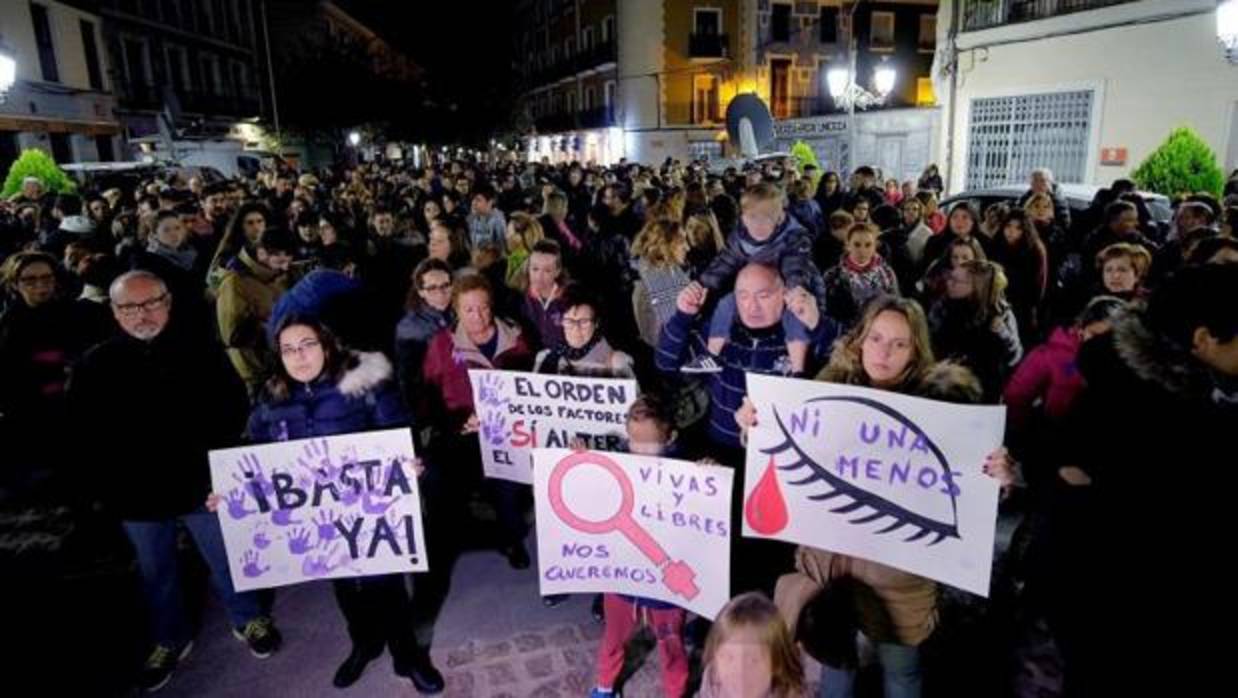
point(103, 146)
point(704, 99)
point(707, 22)
point(608, 29)
point(881, 31)
point(567, 47)
point(554, 55)
point(210, 83)
point(571, 101)
point(187, 15)
point(586, 39)
point(91, 49)
point(590, 97)
point(608, 93)
point(171, 13)
point(829, 25)
point(43, 39)
point(220, 13)
point(1011, 136)
point(62, 151)
point(780, 22)
point(925, 97)
point(135, 62)
point(238, 78)
point(928, 32)
point(176, 69)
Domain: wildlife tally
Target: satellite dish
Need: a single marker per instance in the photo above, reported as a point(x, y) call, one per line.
point(749, 124)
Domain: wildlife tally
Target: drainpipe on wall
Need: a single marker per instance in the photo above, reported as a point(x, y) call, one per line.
point(953, 62)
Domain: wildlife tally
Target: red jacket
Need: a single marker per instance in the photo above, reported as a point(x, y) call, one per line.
point(1049, 374)
point(446, 371)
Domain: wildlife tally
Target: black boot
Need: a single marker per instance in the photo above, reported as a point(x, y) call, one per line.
point(353, 666)
point(419, 669)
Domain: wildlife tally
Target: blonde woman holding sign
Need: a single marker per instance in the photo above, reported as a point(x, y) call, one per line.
point(889, 349)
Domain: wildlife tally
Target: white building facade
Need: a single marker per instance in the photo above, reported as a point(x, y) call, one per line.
point(1087, 88)
point(62, 101)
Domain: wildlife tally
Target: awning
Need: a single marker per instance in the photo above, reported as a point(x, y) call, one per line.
point(88, 128)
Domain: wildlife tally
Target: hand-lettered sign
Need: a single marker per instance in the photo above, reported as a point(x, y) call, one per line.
point(635, 525)
point(519, 412)
point(874, 474)
point(338, 506)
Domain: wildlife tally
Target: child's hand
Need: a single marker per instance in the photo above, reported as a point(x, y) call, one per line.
point(212, 502)
point(472, 425)
point(1001, 467)
point(691, 298)
point(1074, 476)
point(707, 461)
point(803, 305)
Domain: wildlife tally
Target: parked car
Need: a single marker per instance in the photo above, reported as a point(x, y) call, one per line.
point(100, 176)
point(1078, 197)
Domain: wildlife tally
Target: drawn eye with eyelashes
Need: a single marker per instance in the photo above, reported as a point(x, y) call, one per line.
point(847, 498)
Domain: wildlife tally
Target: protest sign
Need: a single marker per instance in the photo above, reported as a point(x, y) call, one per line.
point(635, 525)
point(874, 474)
point(337, 506)
point(519, 412)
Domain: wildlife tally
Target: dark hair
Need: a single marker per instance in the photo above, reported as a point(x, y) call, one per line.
point(278, 240)
point(885, 217)
point(619, 191)
point(575, 295)
point(216, 188)
point(652, 407)
point(1208, 248)
point(337, 257)
point(337, 360)
point(162, 216)
point(484, 190)
point(68, 204)
point(1188, 300)
point(427, 265)
point(15, 264)
point(1099, 309)
point(547, 246)
point(1115, 210)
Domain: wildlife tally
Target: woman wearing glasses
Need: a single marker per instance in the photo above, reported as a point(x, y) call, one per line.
point(321, 388)
point(41, 334)
point(429, 311)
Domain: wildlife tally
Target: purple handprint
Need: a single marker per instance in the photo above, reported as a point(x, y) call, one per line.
point(261, 541)
point(494, 428)
point(490, 391)
point(299, 541)
point(326, 525)
point(373, 504)
point(319, 565)
point(283, 517)
point(349, 495)
point(236, 504)
point(252, 564)
point(317, 460)
point(251, 471)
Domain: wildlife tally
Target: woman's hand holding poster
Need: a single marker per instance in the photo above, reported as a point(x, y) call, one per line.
point(873, 474)
point(636, 525)
point(338, 506)
point(518, 412)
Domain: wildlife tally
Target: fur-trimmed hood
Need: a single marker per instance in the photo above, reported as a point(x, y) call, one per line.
point(1154, 358)
point(369, 369)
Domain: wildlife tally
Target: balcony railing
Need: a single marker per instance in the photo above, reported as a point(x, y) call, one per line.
point(708, 46)
point(983, 14)
point(592, 57)
point(239, 105)
point(799, 107)
point(596, 55)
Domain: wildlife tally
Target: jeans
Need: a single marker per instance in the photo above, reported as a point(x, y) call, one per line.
point(154, 543)
point(900, 674)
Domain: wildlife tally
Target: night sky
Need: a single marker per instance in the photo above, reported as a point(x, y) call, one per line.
point(465, 48)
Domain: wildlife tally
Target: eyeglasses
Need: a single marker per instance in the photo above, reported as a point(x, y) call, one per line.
point(303, 347)
point(436, 288)
point(37, 280)
point(578, 323)
point(149, 306)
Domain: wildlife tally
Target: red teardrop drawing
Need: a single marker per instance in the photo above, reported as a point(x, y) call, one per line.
point(765, 509)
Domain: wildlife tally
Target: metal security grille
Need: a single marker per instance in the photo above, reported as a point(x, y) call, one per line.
point(1011, 136)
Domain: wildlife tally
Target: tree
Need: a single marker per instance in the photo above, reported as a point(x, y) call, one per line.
point(1182, 164)
point(36, 163)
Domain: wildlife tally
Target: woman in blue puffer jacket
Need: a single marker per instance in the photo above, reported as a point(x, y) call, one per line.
point(322, 389)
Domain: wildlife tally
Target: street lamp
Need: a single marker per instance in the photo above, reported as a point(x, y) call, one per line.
point(849, 95)
point(354, 139)
point(8, 70)
point(1227, 29)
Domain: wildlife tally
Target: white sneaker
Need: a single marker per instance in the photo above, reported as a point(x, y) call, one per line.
point(705, 363)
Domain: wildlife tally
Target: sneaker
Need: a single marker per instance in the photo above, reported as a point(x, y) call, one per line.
point(705, 363)
point(160, 665)
point(261, 636)
point(604, 693)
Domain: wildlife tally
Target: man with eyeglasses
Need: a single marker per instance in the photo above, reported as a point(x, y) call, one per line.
point(145, 457)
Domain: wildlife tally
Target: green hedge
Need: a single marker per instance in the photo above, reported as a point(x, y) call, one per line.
point(1183, 164)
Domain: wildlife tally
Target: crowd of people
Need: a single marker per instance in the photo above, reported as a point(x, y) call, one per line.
point(158, 323)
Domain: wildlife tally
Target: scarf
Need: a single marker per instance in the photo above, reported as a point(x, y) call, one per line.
point(183, 258)
point(564, 351)
point(852, 266)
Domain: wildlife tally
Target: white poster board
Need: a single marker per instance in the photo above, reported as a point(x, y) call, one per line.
point(876, 475)
point(634, 525)
point(338, 506)
point(520, 411)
